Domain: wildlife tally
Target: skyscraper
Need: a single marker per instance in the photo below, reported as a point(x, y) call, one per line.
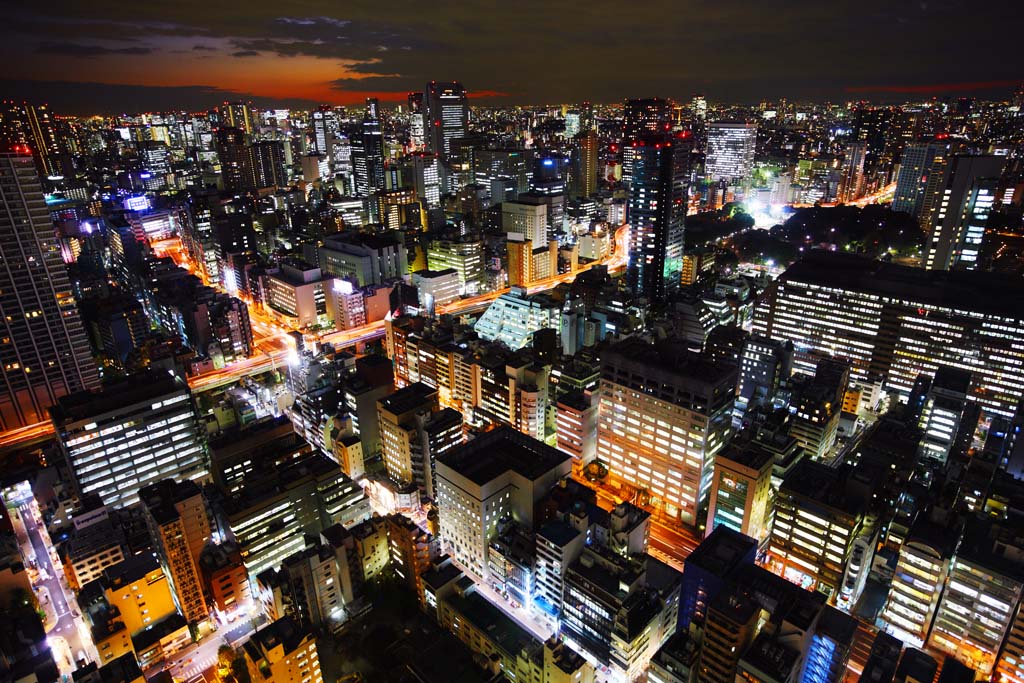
point(235, 159)
point(268, 164)
point(587, 184)
point(447, 115)
point(640, 118)
point(953, 192)
point(683, 398)
point(657, 208)
point(730, 152)
point(368, 154)
point(27, 124)
point(44, 352)
point(238, 115)
point(970, 234)
point(851, 182)
point(323, 139)
point(416, 126)
point(917, 165)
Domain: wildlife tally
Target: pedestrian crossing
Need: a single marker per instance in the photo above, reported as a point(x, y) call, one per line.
point(194, 668)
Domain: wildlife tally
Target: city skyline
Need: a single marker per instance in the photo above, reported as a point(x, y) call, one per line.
point(323, 357)
point(101, 59)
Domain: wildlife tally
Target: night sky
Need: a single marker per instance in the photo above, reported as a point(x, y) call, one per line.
point(104, 57)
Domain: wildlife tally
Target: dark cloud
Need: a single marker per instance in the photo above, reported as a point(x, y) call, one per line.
point(313, 21)
point(539, 51)
point(245, 53)
point(79, 50)
point(103, 98)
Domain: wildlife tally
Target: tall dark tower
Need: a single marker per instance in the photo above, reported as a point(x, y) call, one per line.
point(368, 153)
point(642, 117)
point(587, 183)
point(447, 115)
point(235, 159)
point(657, 208)
point(44, 352)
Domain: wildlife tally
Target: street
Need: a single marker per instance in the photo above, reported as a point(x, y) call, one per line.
point(199, 659)
point(67, 631)
point(669, 542)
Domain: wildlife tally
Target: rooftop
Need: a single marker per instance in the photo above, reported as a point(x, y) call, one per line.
point(492, 454)
point(408, 398)
point(495, 624)
point(131, 569)
point(971, 290)
point(771, 658)
point(722, 551)
point(285, 631)
point(148, 385)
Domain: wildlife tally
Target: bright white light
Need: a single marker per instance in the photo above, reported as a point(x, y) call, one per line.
point(343, 286)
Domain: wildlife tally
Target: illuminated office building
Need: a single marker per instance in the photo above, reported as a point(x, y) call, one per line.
point(237, 115)
point(427, 179)
point(416, 127)
point(741, 491)
point(44, 350)
point(498, 475)
point(131, 435)
point(588, 144)
point(527, 220)
point(642, 117)
point(465, 257)
point(323, 139)
point(894, 323)
point(730, 151)
point(664, 415)
point(32, 125)
point(970, 235)
point(514, 317)
point(447, 115)
point(851, 182)
point(922, 167)
point(576, 426)
point(946, 416)
point(414, 431)
point(977, 607)
point(368, 155)
point(956, 195)
point(235, 159)
point(657, 208)
point(921, 571)
point(764, 365)
point(820, 523)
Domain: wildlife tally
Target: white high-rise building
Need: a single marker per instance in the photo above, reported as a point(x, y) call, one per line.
point(514, 317)
point(499, 475)
point(730, 153)
point(528, 220)
point(131, 435)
